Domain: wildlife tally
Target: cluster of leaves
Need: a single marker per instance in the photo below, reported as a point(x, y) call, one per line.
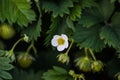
point(4, 66)
point(19, 12)
point(57, 73)
point(64, 14)
point(16, 11)
point(94, 24)
point(99, 26)
point(91, 23)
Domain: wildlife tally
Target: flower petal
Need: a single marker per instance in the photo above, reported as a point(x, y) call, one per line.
point(60, 47)
point(64, 36)
point(56, 37)
point(54, 42)
point(66, 44)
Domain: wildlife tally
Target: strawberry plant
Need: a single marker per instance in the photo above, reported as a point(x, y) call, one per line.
point(61, 39)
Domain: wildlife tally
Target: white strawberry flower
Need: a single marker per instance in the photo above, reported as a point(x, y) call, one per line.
point(60, 41)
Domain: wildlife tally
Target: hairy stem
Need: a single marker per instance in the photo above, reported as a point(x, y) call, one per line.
point(69, 47)
point(12, 49)
point(92, 54)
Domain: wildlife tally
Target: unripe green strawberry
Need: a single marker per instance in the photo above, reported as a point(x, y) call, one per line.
point(64, 58)
point(97, 66)
point(6, 31)
point(24, 60)
point(84, 64)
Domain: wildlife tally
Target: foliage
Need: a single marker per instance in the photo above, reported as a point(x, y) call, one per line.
point(92, 26)
point(16, 11)
point(4, 66)
point(75, 12)
point(106, 31)
point(56, 73)
point(58, 8)
point(34, 30)
point(84, 39)
point(58, 26)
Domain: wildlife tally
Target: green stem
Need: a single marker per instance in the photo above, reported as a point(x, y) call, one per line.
point(83, 78)
point(34, 49)
point(69, 47)
point(31, 46)
point(86, 54)
point(28, 49)
point(75, 78)
point(92, 54)
point(12, 49)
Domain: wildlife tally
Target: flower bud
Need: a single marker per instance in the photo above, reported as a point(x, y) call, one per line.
point(26, 38)
point(84, 64)
point(64, 58)
point(71, 72)
point(97, 66)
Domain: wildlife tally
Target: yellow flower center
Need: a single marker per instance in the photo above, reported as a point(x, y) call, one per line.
point(60, 41)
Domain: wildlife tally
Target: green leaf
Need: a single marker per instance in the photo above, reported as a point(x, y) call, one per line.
point(88, 37)
point(16, 11)
point(2, 52)
point(4, 60)
point(87, 3)
point(33, 31)
point(111, 35)
point(57, 73)
point(116, 18)
point(4, 66)
point(106, 8)
point(58, 8)
point(5, 75)
point(70, 24)
point(112, 1)
point(1, 79)
point(59, 69)
point(2, 17)
point(75, 12)
point(57, 27)
point(90, 17)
